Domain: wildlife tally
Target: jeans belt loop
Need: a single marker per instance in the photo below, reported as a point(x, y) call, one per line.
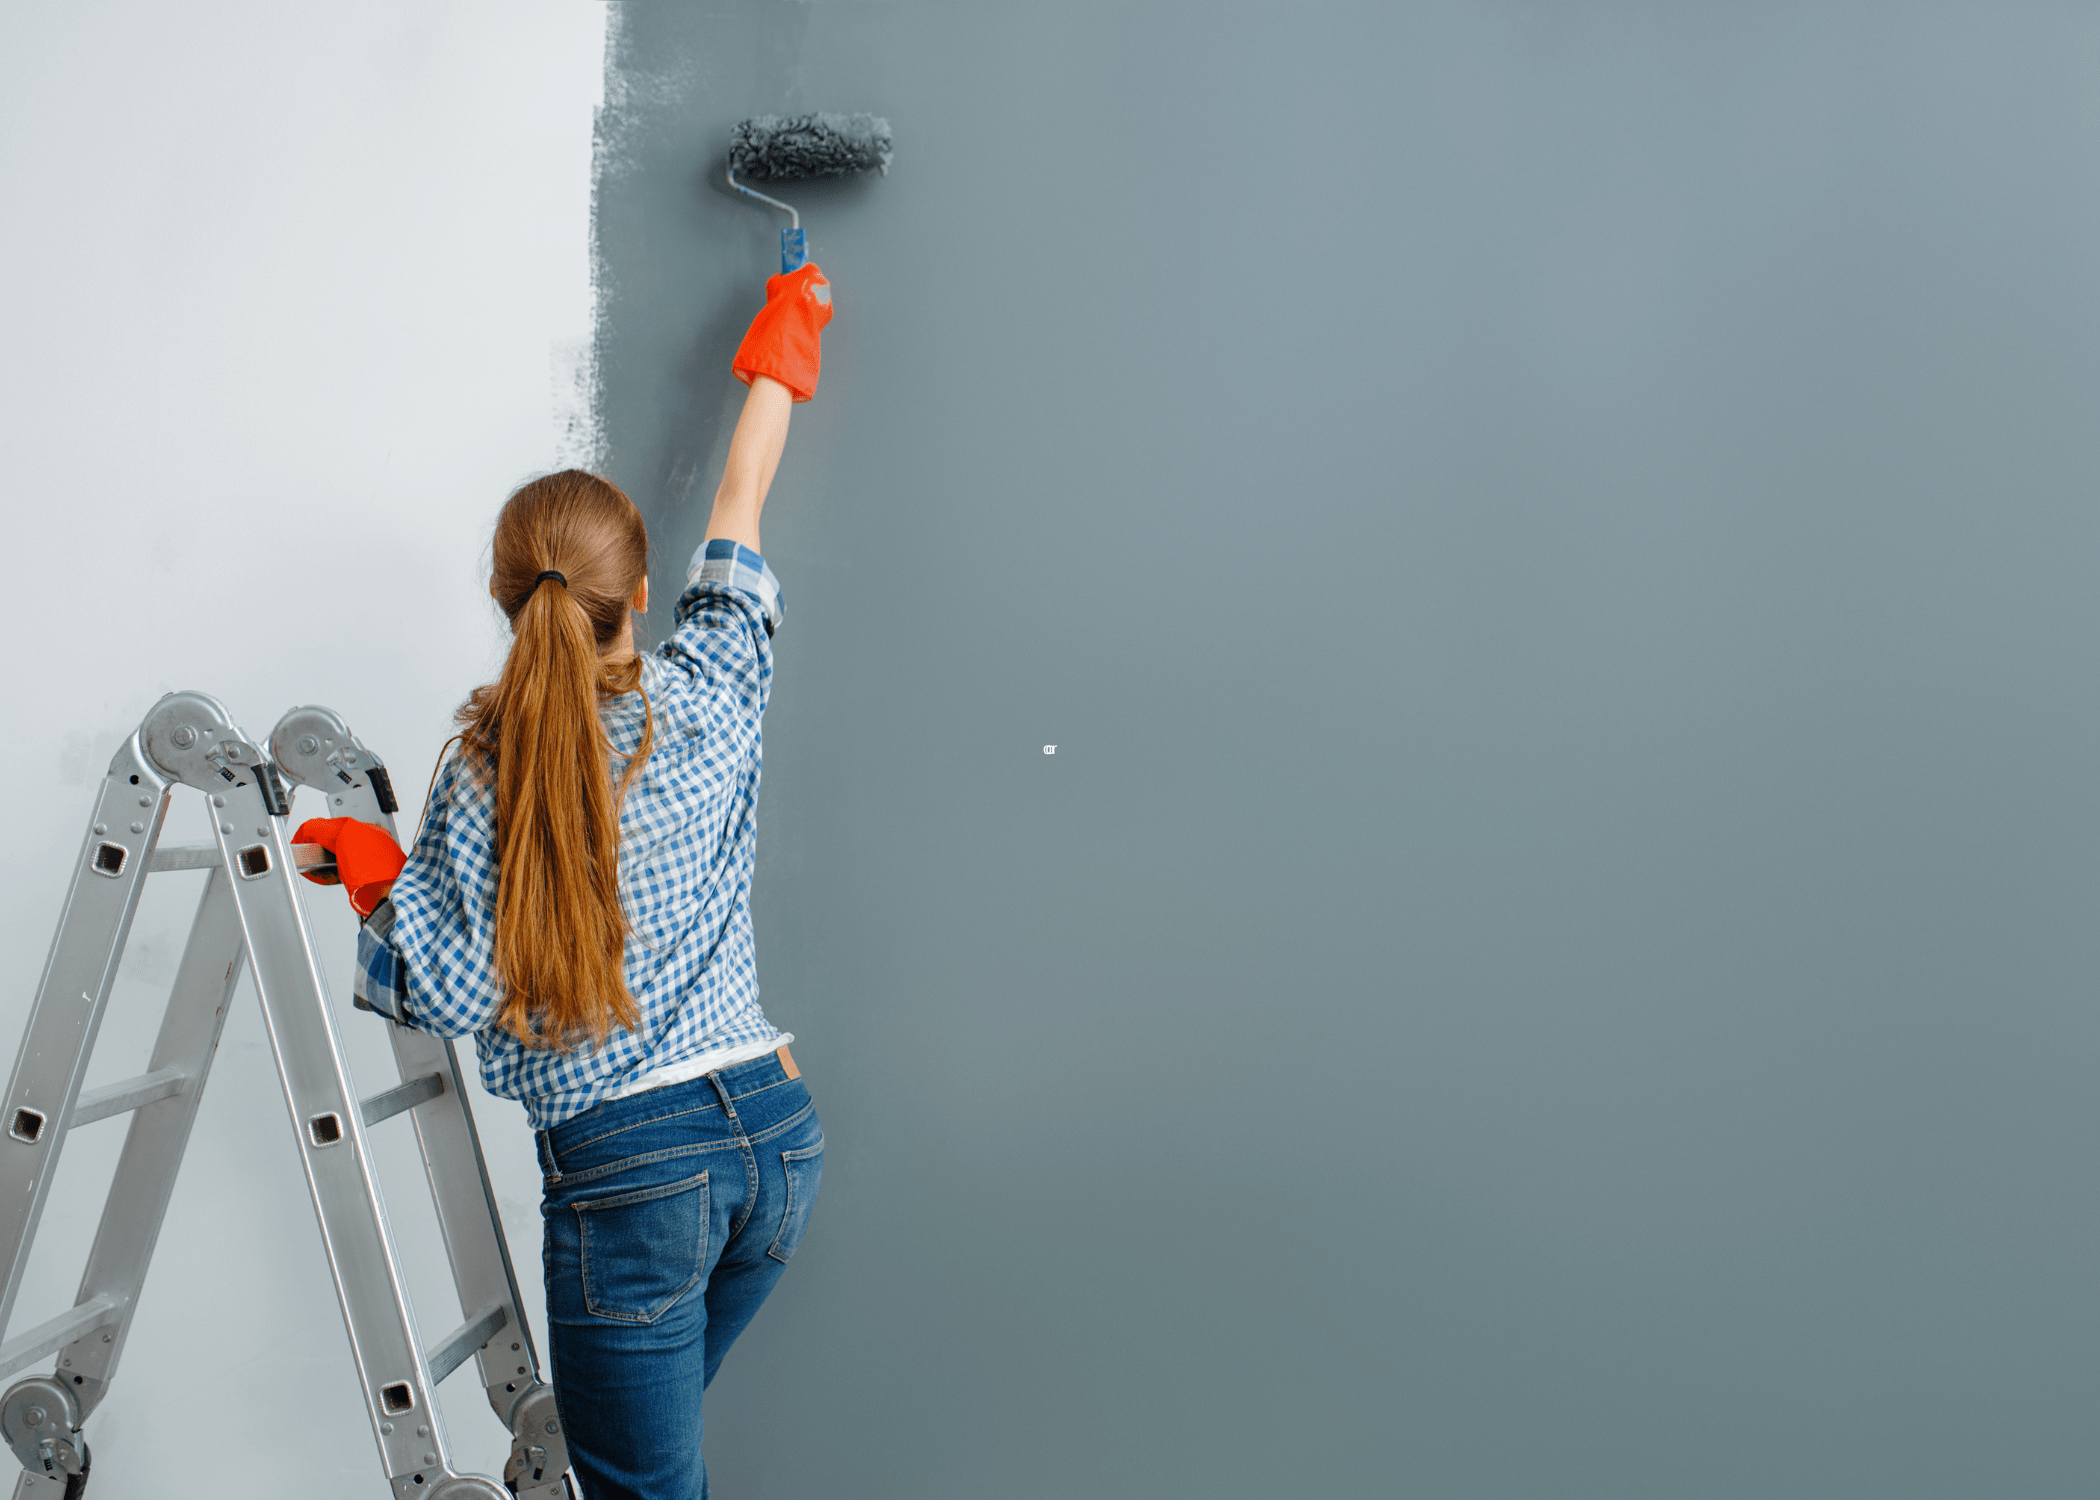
point(728, 1106)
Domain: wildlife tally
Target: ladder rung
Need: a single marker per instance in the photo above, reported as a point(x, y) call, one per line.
point(385, 1106)
point(49, 1338)
point(206, 857)
point(128, 1093)
point(453, 1353)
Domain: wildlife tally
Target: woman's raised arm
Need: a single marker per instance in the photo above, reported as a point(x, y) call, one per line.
point(754, 455)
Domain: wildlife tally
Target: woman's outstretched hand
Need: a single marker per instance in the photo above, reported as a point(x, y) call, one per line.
point(366, 859)
point(785, 341)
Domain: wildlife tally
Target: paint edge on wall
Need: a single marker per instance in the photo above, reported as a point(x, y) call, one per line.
point(628, 93)
point(579, 426)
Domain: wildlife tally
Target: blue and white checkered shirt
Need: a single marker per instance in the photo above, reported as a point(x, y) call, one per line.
point(688, 831)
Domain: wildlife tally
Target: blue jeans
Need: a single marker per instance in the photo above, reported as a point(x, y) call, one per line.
point(669, 1216)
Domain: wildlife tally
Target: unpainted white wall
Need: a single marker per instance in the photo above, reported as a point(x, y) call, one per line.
point(288, 296)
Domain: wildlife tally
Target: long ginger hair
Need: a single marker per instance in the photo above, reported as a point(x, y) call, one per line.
point(535, 734)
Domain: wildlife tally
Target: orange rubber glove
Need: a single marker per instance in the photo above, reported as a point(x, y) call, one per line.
point(784, 339)
point(366, 858)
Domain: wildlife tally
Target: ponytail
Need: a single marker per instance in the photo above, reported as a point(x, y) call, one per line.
point(569, 553)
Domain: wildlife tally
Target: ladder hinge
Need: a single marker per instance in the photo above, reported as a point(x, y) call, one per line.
point(272, 787)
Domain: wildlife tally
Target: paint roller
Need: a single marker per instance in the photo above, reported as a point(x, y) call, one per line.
point(797, 148)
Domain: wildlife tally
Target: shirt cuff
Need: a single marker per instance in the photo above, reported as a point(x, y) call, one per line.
point(720, 560)
point(382, 978)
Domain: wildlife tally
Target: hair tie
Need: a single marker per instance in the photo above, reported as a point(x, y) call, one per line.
point(550, 573)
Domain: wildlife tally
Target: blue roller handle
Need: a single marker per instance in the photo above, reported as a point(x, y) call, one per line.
point(794, 250)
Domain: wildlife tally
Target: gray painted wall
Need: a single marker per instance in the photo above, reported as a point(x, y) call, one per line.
point(1553, 957)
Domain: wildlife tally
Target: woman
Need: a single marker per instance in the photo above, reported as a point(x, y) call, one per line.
point(578, 900)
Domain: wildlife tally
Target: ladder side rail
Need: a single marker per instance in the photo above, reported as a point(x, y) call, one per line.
point(158, 1135)
point(336, 1154)
point(315, 748)
point(73, 994)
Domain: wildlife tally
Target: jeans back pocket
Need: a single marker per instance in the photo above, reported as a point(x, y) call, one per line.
point(805, 1170)
point(643, 1250)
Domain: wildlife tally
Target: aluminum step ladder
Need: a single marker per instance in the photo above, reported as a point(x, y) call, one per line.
point(250, 911)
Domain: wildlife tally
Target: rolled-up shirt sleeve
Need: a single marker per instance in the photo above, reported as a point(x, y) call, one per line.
point(732, 565)
point(382, 979)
